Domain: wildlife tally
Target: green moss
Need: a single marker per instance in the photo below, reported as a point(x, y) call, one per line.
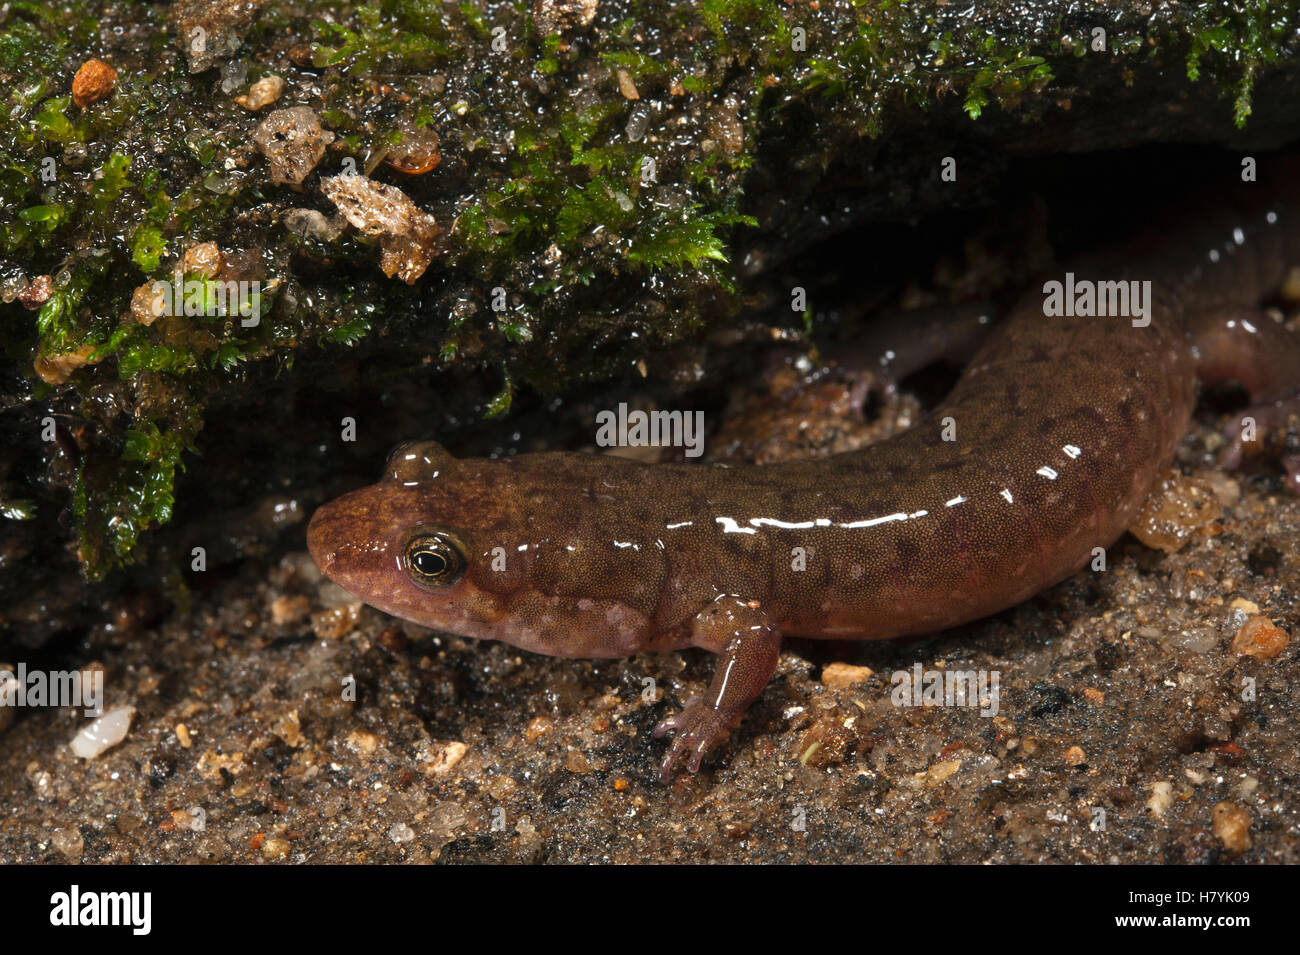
point(880, 65)
point(147, 248)
point(692, 238)
point(112, 182)
point(1003, 78)
point(59, 321)
point(48, 218)
point(637, 65)
point(726, 19)
point(1241, 37)
point(52, 123)
point(500, 402)
point(403, 34)
point(140, 485)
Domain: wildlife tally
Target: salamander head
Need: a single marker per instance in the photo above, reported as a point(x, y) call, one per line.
point(456, 545)
point(407, 544)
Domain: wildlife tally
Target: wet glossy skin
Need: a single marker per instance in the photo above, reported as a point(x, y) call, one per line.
point(1045, 450)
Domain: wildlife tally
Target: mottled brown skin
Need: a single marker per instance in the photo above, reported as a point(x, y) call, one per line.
point(1061, 428)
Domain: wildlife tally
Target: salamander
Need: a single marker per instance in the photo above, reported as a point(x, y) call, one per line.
point(1044, 450)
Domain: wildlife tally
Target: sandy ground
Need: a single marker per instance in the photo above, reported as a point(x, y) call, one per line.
point(1129, 726)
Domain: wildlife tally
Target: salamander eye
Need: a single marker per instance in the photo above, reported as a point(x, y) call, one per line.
point(434, 560)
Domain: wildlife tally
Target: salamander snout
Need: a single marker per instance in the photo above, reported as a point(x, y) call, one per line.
point(319, 538)
point(332, 542)
point(351, 540)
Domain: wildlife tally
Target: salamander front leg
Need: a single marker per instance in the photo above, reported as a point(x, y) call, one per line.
point(1261, 420)
point(1252, 347)
point(749, 646)
point(898, 343)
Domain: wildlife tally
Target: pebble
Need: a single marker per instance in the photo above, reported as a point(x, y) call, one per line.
point(262, 93)
point(289, 729)
point(203, 259)
point(446, 758)
point(406, 232)
point(293, 142)
point(1232, 826)
point(56, 369)
point(1239, 611)
point(337, 623)
point(537, 727)
point(233, 75)
point(839, 676)
point(1197, 639)
point(1162, 797)
point(726, 127)
point(626, 86)
point(69, 843)
point(104, 733)
point(559, 16)
point(527, 831)
point(192, 819)
point(148, 304)
point(222, 23)
point(445, 819)
point(37, 292)
point(289, 609)
point(417, 153)
point(1260, 637)
point(1177, 507)
point(12, 285)
point(41, 781)
point(94, 81)
point(310, 224)
point(937, 773)
point(576, 762)
point(637, 124)
point(362, 742)
point(211, 764)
